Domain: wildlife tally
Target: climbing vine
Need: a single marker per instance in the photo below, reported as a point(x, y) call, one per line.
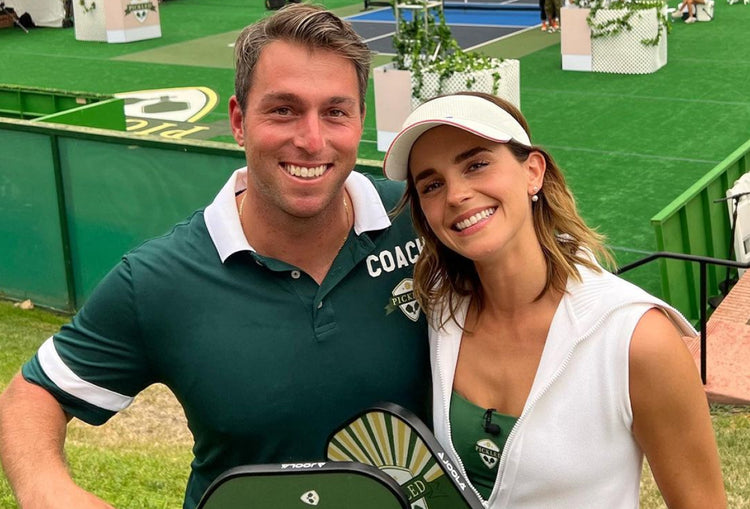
point(622, 23)
point(430, 48)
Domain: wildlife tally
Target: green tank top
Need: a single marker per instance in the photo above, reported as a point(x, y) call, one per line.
point(472, 430)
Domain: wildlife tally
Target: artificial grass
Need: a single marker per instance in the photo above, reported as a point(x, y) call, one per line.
point(628, 144)
point(152, 474)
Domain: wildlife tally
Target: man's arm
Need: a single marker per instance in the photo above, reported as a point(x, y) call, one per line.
point(32, 435)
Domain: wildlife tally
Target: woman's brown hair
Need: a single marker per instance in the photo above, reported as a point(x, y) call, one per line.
point(441, 275)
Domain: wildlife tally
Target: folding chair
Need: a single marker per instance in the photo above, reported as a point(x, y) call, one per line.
point(738, 204)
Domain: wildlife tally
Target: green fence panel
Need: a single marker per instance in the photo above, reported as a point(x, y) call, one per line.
point(694, 223)
point(73, 200)
point(32, 264)
point(27, 102)
point(109, 114)
point(374, 168)
point(119, 195)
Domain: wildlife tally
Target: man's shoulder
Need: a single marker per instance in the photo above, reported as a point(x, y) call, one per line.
point(188, 232)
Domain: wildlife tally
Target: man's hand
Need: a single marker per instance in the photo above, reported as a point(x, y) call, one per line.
point(32, 437)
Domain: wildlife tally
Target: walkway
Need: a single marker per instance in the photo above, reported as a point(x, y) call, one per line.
point(728, 348)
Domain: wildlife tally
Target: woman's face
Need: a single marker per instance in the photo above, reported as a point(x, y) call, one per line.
point(474, 193)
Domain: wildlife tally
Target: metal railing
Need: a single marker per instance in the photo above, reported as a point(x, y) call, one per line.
point(703, 298)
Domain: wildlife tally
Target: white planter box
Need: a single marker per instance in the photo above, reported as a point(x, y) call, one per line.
point(394, 100)
point(623, 53)
point(89, 21)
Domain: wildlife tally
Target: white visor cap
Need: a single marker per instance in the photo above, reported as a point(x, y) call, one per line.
point(468, 112)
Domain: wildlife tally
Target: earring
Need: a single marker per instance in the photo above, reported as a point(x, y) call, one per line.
point(534, 197)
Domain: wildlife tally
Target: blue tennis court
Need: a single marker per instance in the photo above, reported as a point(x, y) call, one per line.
point(472, 24)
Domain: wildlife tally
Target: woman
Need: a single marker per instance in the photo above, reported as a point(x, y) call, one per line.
point(552, 377)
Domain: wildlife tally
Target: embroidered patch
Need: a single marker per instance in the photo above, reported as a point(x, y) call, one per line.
point(402, 297)
point(488, 452)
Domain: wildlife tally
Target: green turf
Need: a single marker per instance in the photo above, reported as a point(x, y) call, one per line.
point(628, 144)
point(209, 51)
point(631, 144)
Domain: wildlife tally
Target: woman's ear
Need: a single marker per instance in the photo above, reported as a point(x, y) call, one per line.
point(536, 165)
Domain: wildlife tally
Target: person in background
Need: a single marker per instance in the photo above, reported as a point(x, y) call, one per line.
point(551, 376)
point(274, 315)
point(687, 10)
point(552, 14)
point(543, 15)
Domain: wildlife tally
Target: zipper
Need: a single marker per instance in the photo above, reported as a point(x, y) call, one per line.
point(531, 403)
point(446, 409)
point(561, 369)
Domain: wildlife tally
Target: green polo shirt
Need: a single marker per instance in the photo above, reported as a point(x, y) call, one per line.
point(265, 361)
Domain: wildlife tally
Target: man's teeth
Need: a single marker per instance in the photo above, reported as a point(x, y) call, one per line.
point(462, 225)
point(304, 172)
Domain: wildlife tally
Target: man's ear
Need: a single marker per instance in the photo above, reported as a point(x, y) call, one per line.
point(236, 121)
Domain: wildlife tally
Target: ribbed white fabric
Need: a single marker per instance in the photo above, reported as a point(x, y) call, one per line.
point(572, 446)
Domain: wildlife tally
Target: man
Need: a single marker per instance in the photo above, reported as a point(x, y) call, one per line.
point(275, 314)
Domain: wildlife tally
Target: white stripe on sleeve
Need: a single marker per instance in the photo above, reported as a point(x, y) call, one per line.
point(65, 379)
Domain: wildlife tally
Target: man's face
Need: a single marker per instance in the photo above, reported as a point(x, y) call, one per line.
point(301, 128)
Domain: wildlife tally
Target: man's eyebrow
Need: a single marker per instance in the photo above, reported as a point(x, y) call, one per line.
point(291, 98)
point(281, 97)
point(342, 100)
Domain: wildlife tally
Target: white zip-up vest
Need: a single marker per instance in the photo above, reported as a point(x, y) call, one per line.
point(572, 447)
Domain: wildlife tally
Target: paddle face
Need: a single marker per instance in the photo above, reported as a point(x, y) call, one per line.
point(397, 442)
point(304, 485)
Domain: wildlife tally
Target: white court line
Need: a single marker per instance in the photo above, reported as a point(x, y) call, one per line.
point(354, 16)
point(524, 29)
point(508, 2)
point(631, 250)
point(631, 154)
point(589, 93)
point(467, 25)
point(377, 38)
point(611, 153)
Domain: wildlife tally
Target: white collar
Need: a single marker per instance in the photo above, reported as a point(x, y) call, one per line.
point(223, 221)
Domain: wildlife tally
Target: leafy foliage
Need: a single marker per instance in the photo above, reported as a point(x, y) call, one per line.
point(426, 44)
point(622, 23)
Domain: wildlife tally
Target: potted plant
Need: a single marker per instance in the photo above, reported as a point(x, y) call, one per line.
point(429, 62)
point(617, 36)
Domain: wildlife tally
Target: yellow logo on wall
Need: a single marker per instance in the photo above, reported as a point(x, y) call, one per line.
point(170, 112)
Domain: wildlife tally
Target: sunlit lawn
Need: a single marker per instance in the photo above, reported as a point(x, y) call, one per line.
point(140, 460)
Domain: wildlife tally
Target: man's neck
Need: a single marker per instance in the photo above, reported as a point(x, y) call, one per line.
point(310, 244)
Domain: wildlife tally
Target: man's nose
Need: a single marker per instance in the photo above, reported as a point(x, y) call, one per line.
point(309, 135)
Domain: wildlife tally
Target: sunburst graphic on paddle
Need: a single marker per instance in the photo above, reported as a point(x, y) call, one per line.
point(393, 440)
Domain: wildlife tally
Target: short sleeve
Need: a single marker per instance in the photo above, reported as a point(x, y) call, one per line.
point(97, 363)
